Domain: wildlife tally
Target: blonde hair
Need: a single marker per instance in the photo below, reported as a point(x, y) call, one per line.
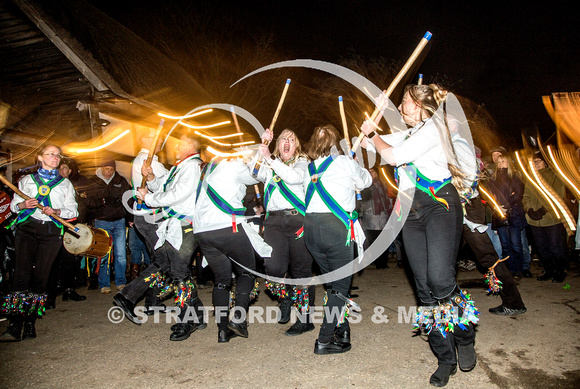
point(511, 169)
point(288, 133)
point(322, 142)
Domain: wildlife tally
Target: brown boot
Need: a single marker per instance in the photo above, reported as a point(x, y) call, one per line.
point(135, 272)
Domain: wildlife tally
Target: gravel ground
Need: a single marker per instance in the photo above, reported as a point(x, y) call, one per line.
point(78, 346)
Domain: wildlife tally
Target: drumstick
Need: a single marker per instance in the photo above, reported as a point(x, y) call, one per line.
point(266, 142)
point(345, 130)
point(150, 158)
point(25, 197)
point(387, 93)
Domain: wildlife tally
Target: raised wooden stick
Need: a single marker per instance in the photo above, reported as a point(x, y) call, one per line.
point(278, 109)
point(396, 81)
point(150, 157)
point(346, 137)
point(39, 206)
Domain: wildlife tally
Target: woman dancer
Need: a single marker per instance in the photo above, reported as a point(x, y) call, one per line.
point(283, 175)
point(37, 242)
point(330, 201)
point(432, 232)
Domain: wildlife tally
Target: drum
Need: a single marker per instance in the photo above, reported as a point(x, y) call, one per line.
point(88, 241)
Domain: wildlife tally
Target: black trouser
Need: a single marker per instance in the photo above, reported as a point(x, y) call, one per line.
point(64, 269)
point(381, 262)
point(431, 236)
point(218, 247)
point(37, 245)
point(325, 236)
point(487, 256)
point(149, 232)
point(173, 263)
point(288, 251)
point(551, 245)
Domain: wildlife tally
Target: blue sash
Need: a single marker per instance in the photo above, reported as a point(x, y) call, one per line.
point(43, 199)
point(277, 182)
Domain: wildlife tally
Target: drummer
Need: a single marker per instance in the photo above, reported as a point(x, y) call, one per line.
point(37, 241)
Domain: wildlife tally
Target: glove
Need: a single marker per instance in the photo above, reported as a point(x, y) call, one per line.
point(536, 215)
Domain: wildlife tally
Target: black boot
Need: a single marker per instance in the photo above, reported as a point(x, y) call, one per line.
point(224, 336)
point(127, 306)
point(466, 356)
point(342, 335)
point(285, 309)
point(71, 294)
point(151, 300)
point(441, 376)
point(12, 333)
point(301, 326)
point(29, 331)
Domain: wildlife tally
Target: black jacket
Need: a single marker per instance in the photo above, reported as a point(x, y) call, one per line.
point(104, 200)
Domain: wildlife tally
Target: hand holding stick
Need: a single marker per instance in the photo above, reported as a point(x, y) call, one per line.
point(278, 109)
point(39, 206)
point(150, 158)
point(396, 80)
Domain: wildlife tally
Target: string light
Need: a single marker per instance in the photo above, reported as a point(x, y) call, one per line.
point(79, 151)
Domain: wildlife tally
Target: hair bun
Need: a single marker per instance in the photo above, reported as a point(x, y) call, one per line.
point(439, 94)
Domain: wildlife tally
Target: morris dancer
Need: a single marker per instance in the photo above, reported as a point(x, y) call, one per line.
point(330, 225)
point(223, 233)
point(175, 193)
point(37, 242)
point(283, 175)
point(432, 231)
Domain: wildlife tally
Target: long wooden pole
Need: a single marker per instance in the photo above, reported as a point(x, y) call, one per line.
point(346, 137)
point(272, 124)
point(396, 80)
point(25, 197)
point(150, 157)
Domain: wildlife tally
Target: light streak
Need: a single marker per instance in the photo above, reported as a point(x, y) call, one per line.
point(373, 122)
point(538, 188)
point(392, 185)
point(562, 173)
point(250, 142)
point(227, 155)
point(79, 151)
point(221, 136)
point(186, 116)
point(207, 126)
point(495, 204)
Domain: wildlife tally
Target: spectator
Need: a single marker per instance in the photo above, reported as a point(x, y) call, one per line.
point(548, 232)
point(105, 202)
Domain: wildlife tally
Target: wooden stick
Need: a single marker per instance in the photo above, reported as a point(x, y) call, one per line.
point(396, 80)
point(346, 138)
point(420, 79)
point(150, 157)
point(272, 124)
point(25, 197)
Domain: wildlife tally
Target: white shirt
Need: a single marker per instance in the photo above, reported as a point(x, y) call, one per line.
point(61, 197)
point(229, 179)
point(178, 195)
point(341, 179)
point(137, 178)
point(292, 175)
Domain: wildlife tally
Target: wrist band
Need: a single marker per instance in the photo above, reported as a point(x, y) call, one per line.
point(372, 135)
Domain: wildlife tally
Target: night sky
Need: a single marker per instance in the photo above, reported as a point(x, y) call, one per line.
point(494, 53)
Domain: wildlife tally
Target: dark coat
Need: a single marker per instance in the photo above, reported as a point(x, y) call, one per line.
point(509, 193)
point(104, 200)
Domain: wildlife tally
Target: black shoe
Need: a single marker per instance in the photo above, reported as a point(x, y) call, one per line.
point(354, 288)
point(128, 307)
point(161, 308)
point(466, 357)
point(299, 328)
point(12, 333)
point(441, 376)
point(49, 304)
point(505, 311)
point(224, 336)
point(343, 338)
point(546, 276)
point(517, 275)
point(200, 326)
point(93, 285)
point(240, 329)
point(527, 274)
point(71, 294)
point(332, 347)
point(29, 331)
point(183, 330)
point(285, 309)
point(559, 277)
